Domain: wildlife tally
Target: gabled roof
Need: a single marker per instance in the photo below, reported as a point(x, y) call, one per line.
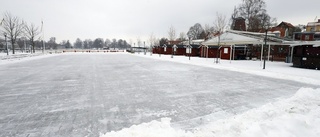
point(245, 38)
point(286, 24)
point(230, 38)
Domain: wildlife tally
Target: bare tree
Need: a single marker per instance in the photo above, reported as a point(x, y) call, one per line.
point(31, 32)
point(219, 26)
point(255, 14)
point(220, 23)
point(250, 9)
point(151, 40)
point(208, 30)
point(182, 36)
point(52, 44)
point(172, 33)
point(138, 42)
point(14, 27)
point(195, 31)
point(107, 42)
point(78, 44)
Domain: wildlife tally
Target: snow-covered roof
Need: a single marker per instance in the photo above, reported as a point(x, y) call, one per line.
point(299, 43)
point(230, 38)
point(196, 41)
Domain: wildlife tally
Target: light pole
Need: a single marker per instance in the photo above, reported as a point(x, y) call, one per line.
point(264, 54)
point(189, 47)
point(5, 37)
point(43, 42)
point(172, 52)
point(144, 47)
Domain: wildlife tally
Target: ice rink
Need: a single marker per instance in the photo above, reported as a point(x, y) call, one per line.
point(88, 94)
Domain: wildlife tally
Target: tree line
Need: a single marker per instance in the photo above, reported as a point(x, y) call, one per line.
point(20, 33)
point(252, 11)
point(100, 43)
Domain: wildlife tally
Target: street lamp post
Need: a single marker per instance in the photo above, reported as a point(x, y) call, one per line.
point(144, 47)
point(189, 47)
point(264, 54)
point(172, 52)
point(5, 37)
point(159, 50)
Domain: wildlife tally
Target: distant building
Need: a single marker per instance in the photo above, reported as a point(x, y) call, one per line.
point(307, 36)
point(239, 24)
point(173, 42)
point(313, 26)
point(284, 29)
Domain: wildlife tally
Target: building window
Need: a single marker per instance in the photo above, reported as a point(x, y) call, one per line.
point(316, 36)
point(297, 37)
point(307, 37)
point(225, 50)
point(280, 50)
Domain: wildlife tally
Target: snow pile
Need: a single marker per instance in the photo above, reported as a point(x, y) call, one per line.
point(151, 129)
point(19, 57)
point(298, 116)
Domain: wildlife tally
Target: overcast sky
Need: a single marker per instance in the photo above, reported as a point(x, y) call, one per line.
point(132, 19)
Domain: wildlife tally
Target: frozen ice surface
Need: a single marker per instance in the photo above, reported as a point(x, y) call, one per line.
point(92, 94)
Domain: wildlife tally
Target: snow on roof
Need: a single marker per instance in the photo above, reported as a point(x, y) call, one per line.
point(230, 38)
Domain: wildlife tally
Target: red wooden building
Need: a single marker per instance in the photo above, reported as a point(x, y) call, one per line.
point(180, 50)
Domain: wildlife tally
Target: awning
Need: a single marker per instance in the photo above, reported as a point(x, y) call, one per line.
point(229, 38)
point(301, 43)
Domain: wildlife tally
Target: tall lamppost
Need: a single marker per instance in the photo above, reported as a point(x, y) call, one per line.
point(5, 37)
point(151, 50)
point(264, 54)
point(43, 42)
point(189, 47)
point(144, 47)
point(172, 52)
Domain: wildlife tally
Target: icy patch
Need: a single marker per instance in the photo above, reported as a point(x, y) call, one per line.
point(297, 116)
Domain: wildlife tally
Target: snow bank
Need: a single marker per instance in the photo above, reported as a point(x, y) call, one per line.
point(278, 70)
point(298, 116)
point(20, 57)
point(151, 129)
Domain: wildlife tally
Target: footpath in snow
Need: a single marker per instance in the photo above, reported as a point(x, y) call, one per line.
point(296, 116)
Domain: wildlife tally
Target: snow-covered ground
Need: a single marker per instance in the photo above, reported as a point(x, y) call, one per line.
point(297, 116)
point(274, 69)
point(76, 103)
point(19, 57)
